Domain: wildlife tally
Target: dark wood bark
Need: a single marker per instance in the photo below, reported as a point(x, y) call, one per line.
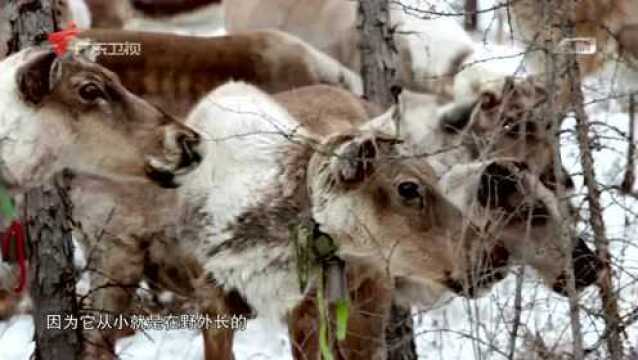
point(380, 85)
point(52, 273)
point(607, 293)
point(630, 169)
point(471, 15)
point(605, 285)
point(47, 211)
point(555, 108)
point(378, 53)
point(30, 21)
point(400, 334)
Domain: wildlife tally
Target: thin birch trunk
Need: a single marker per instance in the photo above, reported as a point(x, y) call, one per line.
point(551, 11)
point(606, 286)
point(630, 168)
point(471, 15)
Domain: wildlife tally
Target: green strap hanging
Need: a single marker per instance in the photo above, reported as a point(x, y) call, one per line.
point(315, 254)
point(6, 205)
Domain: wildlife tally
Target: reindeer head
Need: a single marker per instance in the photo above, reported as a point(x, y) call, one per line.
point(507, 200)
point(68, 112)
point(462, 139)
point(383, 206)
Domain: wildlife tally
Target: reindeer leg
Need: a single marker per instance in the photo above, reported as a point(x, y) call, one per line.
point(8, 303)
point(215, 301)
point(120, 265)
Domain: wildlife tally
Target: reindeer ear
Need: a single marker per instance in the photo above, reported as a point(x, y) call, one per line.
point(489, 100)
point(35, 77)
point(355, 159)
point(457, 117)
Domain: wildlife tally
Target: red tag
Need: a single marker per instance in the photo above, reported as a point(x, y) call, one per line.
point(61, 39)
point(16, 232)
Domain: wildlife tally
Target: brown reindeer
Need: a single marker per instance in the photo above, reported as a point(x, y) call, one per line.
point(429, 51)
point(120, 14)
point(176, 71)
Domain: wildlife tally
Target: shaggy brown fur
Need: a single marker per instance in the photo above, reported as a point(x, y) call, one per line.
point(176, 71)
point(109, 14)
point(324, 110)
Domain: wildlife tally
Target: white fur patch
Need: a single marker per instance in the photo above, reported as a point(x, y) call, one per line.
point(244, 130)
point(30, 138)
point(429, 46)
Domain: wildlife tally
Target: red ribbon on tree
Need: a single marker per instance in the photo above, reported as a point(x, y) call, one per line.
point(16, 231)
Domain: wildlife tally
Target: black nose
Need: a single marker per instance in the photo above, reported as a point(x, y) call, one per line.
point(587, 267)
point(498, 184)
point(165, 179)
point(189, 142)
point(494, 267)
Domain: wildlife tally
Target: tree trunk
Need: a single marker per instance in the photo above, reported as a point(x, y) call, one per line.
point(471, 15)
point(630, 169)
point(47, 210)
point(52, 272)
point(378, 65)
point(605, 285)
point(552, 12)
point(380, 85)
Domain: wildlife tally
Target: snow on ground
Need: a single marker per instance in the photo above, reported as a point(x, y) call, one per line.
point(457, 328)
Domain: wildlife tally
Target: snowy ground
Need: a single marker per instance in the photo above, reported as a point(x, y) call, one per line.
point(459, 328)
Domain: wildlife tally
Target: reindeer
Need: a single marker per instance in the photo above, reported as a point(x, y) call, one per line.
point(175, 71)
point(67, 112)
point(133, 13)
point(430, 51)
point(506, 122)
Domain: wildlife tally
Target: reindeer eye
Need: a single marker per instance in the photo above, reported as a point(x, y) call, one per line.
point(91, 92)
point(511, 127)
point(409, 190)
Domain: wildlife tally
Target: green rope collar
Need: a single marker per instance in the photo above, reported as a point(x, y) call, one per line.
point(316, 257)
